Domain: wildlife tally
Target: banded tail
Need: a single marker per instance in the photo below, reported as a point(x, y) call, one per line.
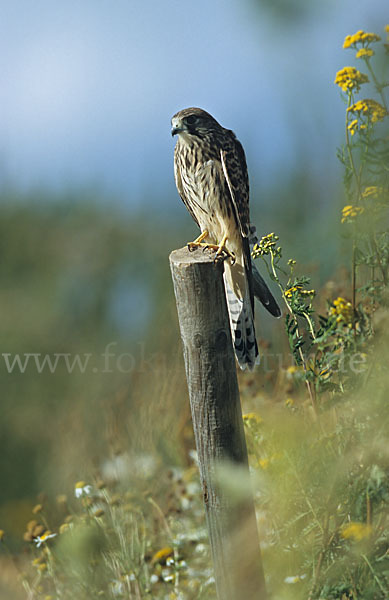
point(242, 327)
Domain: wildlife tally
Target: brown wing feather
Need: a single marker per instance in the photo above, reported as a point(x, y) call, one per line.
point(237, 179)
point(235, 171)
point(177, 176)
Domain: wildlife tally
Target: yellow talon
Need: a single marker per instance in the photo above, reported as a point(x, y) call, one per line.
point(197, 242)
point(220, 249)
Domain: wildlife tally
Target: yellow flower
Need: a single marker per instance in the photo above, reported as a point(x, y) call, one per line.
point(353, 126)
point(294, 369)
point(264, 463)
point(372, 191)
point(265, 245)
point(40, 539)
point(347, 41)
point(368, 38)
point(2, 534)
point(342, 310)
point(82, 489)
point(360, 37)
point(162, 555)
point(349, 78)
point(296, 288)
point(369, 108)
point(364, 52)
point(356, 531)
point(37, 509)
point(308, 293)
point(253, 418)
point(349, 212)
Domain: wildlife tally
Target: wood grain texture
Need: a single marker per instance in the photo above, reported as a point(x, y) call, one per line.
point(218, 425)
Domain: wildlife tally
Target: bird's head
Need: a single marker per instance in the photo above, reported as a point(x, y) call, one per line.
point(194, 122)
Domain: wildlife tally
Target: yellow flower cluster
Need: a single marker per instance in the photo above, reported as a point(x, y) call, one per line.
point(298, 288)
point(308, 293)
point(265, 245)
point(349, 78)
point(360, 37)
point(372, 191)
point(356, 531)
point(342, 310)
point(353, 126)
point(369, 108)
point(376, 198)
point(349, 212)
point(364, 53)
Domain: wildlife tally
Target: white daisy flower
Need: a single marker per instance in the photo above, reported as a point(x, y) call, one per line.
point(82, 489)
point(40, 539)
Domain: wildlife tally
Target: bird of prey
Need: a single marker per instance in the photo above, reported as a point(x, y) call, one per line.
point(211, 177)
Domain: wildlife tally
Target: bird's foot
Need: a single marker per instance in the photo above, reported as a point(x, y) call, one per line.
point(197, 243)
point(222, 252)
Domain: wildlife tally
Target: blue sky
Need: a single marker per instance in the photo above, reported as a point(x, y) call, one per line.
point(88, 88)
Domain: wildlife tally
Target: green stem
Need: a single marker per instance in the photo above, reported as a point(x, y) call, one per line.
point(310, 324)
point(377, 84)
point(383, 590)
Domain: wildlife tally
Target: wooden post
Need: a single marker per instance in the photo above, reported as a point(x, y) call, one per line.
point(218, 425)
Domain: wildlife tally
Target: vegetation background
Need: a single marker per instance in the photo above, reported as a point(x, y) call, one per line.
point(84, 272)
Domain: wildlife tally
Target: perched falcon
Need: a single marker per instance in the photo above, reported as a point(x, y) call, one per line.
point(211, 177)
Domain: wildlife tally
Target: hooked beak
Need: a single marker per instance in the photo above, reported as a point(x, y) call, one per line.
point(176, 130)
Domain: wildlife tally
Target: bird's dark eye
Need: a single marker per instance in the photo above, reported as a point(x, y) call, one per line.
point(191, 120)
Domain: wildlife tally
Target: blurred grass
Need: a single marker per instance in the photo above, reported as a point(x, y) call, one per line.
point(62, 272)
